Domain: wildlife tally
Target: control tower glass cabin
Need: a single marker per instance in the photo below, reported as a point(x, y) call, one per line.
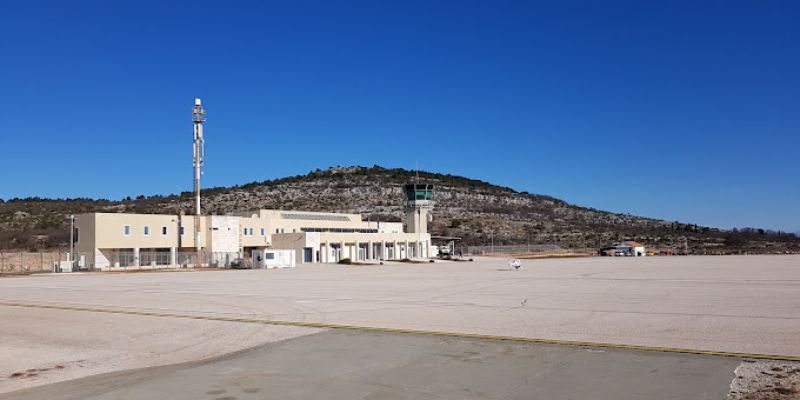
point(418, 207)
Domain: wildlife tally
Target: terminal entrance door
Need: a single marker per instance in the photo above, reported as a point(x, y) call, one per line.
point(362, 252)
point(308, 255)
point(376, 251)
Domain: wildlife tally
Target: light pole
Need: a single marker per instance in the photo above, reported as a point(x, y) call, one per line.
point(71, 241)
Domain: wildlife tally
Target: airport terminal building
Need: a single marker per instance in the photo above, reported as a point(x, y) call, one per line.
point(118, 240)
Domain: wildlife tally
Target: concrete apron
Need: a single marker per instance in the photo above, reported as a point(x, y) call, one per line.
point(346, 364)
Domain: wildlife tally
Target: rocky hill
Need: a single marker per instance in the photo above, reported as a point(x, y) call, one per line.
point(472, 209)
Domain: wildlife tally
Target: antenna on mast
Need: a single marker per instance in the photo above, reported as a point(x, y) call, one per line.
point(198, 117)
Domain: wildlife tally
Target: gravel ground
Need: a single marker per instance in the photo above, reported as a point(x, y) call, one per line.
point(766, 380)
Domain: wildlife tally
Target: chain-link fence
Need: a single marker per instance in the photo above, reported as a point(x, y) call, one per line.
point(41, 262)
point(214, 259)
point(127, 260)
point(27, 263)
point(532, 250)
point(121, 259)
point(155, 258)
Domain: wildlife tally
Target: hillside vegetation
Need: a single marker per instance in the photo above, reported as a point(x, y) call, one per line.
point(472, 209)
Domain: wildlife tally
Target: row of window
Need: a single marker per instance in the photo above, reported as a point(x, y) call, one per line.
point(339, 230)
point(249, 231)
point(127, 229)
point(315, 217)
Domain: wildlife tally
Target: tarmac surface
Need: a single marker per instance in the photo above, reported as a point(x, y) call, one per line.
point(742, 304)
point(341, 364)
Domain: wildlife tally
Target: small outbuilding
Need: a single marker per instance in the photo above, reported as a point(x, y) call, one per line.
point(624, 249)
point(635, 249)
point(269, 258)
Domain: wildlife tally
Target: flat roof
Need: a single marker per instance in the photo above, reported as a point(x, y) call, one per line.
point(445, 237)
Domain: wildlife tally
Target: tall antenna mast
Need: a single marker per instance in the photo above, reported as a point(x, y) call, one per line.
point(198, 117)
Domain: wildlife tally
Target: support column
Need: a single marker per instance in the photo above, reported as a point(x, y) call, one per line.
point(323, 252)
point(172, 256)
point(396, 249)
point(370, 250)
point(383, 250)
point(408, 251)
point(341, 252)
point(136, 257)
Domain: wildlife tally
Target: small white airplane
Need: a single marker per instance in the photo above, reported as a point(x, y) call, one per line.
point(516, 263)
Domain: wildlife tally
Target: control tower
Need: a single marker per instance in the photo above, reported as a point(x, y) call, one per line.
point(418, 206)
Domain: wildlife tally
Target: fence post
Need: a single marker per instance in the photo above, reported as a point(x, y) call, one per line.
point(22, 262)
point(2, 263)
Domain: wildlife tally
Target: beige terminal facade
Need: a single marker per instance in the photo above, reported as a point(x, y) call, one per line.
point(117, 240)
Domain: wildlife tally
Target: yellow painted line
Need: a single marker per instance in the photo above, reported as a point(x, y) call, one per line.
point(409, 331)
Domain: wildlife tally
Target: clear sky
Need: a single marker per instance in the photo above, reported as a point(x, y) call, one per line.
point(679, 110)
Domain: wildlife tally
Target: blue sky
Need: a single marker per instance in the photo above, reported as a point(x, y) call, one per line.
point(678, 110)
